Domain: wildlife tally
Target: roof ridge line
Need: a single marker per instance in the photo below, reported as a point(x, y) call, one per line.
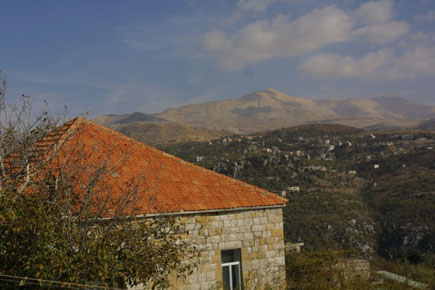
point(64, 129)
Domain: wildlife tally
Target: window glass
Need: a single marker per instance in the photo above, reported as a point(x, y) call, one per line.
point(231, 256)
point(231, 269)
point(226, 277)
point(235, 273)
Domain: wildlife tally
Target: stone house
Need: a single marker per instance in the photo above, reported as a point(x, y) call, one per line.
point(237, 227)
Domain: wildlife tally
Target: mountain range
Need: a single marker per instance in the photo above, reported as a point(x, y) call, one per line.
point(267, 110)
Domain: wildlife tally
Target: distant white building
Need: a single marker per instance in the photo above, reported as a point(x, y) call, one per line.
point(293, 188)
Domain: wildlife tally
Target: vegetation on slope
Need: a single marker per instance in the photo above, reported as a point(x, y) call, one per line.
point(346, 188)
point(155, 133)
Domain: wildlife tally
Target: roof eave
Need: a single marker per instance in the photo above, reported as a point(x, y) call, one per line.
point(193, 212)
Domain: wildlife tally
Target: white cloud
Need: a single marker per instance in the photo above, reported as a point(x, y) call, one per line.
point(421, 38)
point(427, 17)
point(374, 12)
point(259, 6)
point(279, 37)
point(377, 26)
point(416, 61)
point(249, 8)
point(413, 62)
point(255, 6)
point(383, 32)
point(335, 65)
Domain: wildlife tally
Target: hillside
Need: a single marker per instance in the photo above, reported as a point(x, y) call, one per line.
point(113, 119)
point(311, 130)
point(271, 109)
point(152, 130)
point(159, 133)
point(380, 108)
point(427, 125)
point(346, 187)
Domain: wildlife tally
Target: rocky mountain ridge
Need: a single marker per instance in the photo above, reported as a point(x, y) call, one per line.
point(271, 109)
point(267, 110)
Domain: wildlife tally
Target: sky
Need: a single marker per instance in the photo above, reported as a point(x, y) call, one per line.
point(106, 56)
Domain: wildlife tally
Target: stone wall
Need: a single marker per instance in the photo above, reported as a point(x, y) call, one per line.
point(259, 235)
point(354, 269)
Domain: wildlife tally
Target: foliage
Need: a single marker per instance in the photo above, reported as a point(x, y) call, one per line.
point(327, 269)
point(60, 218)
point(321, 270)
point(423, 272)
point(341, 201)
point(36, 243)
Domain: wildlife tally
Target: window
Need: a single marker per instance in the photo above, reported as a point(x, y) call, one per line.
point(232, 269)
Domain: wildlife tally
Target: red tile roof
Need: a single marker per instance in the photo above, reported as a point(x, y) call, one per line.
point(172, 184)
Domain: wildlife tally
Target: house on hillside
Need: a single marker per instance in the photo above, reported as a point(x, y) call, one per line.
point(237, 227)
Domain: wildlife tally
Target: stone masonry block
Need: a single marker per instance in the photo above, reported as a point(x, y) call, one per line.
point(279, 226)
point(211, 276)
point(189, 226)
point(248, 236)
point(239, 216)
point(230, 245)
point(258, 228)
point(258, 234)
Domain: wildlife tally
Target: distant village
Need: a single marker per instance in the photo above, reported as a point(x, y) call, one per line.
point(366, 148)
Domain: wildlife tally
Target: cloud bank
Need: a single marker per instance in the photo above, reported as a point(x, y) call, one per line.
point(282, 37)
point(383, 64)
point(279, 37)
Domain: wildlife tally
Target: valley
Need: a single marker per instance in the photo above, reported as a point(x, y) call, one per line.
point(347, 188)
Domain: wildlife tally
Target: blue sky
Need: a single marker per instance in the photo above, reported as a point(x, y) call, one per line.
point(106, 56)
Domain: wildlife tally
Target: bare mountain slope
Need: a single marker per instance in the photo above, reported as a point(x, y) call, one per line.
point(358, 108)
point(267, 110)
point(271, 109)
point(255, 112)
point(406, 108)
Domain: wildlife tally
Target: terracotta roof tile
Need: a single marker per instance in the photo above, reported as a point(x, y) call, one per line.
point(175, 185)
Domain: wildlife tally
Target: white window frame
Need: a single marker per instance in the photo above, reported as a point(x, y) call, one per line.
point(230, 265)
